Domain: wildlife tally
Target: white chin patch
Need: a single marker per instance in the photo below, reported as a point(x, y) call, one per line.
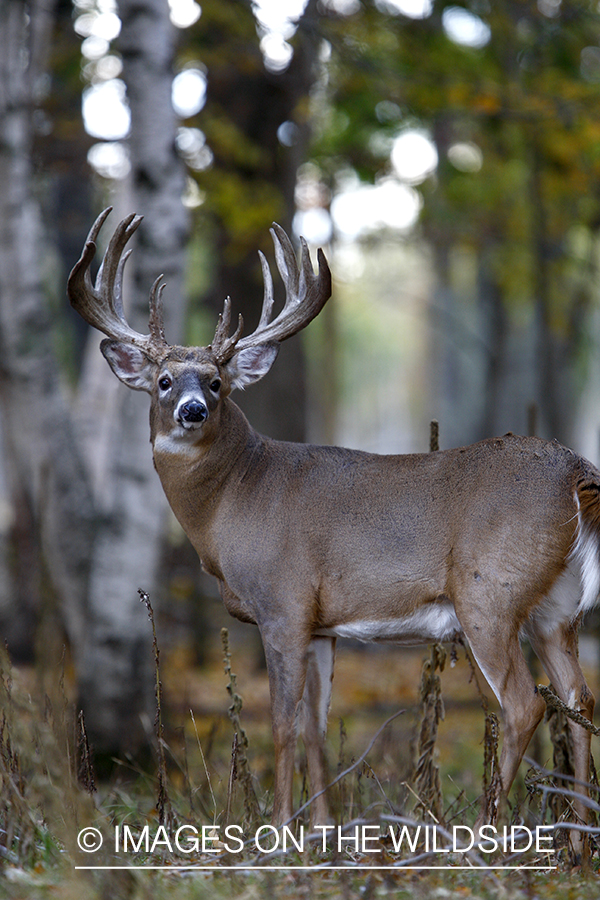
point(178, 441)
point(189, 426)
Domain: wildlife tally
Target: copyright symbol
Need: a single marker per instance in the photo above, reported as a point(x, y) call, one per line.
point(89, 840)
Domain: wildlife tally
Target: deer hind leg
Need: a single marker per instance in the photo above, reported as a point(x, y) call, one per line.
point(494, 642)
point(313, 721)
point(557, 651)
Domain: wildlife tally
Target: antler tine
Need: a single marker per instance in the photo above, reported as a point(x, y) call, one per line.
point(80, 279)
point(222, 345)
point(285, 258)
point(307, 271)
point(118, 287)
point(101, 305)
point(157, 326)
point(305, 296)
point(223, 323)
point(306, 292)
point(110, 273)
point(268, 297)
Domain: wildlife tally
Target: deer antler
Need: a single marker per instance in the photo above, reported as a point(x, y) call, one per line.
point(305, 296)
point(101, 305)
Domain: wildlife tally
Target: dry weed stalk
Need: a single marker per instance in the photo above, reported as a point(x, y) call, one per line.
point(85, 769)
point(557, 715)
point(233, 774)
point(340, 768)
point(206, 772)
point(427, 776)
point(434, 436)
point(556, 703)
point(492, 785)
point(243, 773)
point(163, 803)
point(562, 746)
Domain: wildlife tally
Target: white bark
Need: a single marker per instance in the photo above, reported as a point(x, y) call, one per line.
point(100, 521)
point(43, 466)
point(116, 686)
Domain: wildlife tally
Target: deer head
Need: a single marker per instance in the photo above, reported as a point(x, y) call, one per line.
point(187, 383)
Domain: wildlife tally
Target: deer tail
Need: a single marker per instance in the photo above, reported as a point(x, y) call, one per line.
point(586, 546)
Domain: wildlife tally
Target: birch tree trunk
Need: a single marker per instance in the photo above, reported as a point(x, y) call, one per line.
point(116, 687)
point(44, 475)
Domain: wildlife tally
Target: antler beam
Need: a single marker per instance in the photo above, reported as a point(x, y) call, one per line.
point(305, 296)
point(101, 305)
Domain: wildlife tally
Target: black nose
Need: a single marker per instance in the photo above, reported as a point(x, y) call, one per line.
point(193, 411)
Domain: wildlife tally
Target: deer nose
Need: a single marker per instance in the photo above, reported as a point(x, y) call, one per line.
point(193, 411)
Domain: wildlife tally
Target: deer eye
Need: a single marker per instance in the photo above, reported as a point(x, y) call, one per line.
point(164, 382)
point(215, 385)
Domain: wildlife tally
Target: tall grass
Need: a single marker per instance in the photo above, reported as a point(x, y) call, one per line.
point(49, 793)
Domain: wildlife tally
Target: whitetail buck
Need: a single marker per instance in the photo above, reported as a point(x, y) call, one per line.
point(493, 541)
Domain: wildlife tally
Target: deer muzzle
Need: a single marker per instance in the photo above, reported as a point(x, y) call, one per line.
point(192, 412)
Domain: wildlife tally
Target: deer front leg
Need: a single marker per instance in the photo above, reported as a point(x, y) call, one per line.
point(313, 721)
point(286, 666)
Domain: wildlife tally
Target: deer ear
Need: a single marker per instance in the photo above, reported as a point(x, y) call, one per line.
point(130, 365)
point(249, 365)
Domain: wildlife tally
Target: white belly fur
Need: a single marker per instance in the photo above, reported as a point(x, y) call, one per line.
point(436, 622)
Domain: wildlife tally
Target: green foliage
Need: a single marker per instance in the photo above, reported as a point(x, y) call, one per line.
point(527, 103)
point(246, 208)
point(525, 92)
point(245, 185)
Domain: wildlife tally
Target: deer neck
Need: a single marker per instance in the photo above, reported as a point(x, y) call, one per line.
point(194, 475)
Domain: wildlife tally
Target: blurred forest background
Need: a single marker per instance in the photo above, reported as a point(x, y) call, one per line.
point(446, 155)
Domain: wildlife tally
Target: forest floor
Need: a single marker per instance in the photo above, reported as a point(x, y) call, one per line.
point(194, 822)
